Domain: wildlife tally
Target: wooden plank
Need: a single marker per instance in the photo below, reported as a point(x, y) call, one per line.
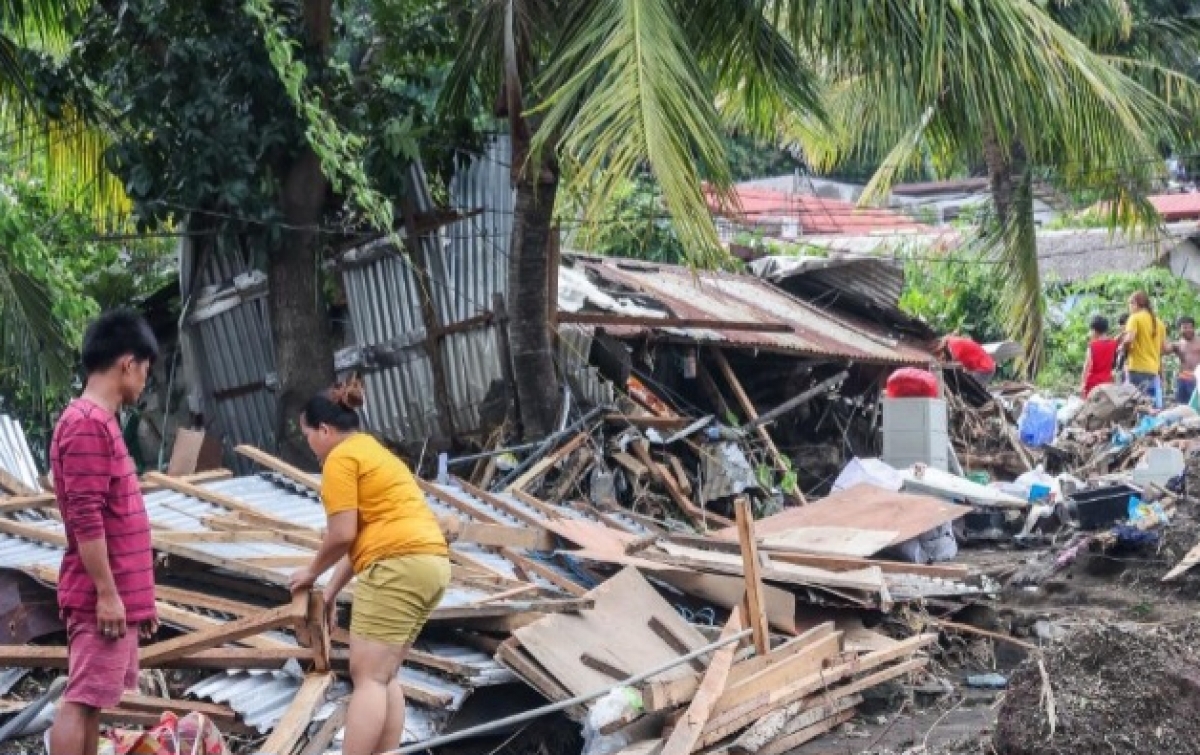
point(161, 652)
point(660, 695)
point(631, 465)
point(1189, 560)
point(681, 476)
point(264, 459)
point(727, 591)
point(552, 513)
point(497, 502)
point(504, 595)
point(869, 580)
point(789, 742)
point(179, 617)
point(608, 631)
point(453, 501)
point(604, 667)
point(211, 496)
point(755, 602)
point(840, 540)
point(542, 466)
point(203, 600)
point(510, 653)
point(53, 537)
point(779, 724)
point(795, 716)
point(823, 561)
point(546, 573)
point(605, 318)
point(298, 716)
point(502, 536)
point(55, 657)
point(566, 480)
point(687, 732)
point(862, 507)
point(807, 661)
point(700, 517)
point(727, 722)
point(319, 742)
point(14, 486)
point(199, 478)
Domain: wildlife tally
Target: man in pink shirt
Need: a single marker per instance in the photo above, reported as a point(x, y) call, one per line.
point(106, 581)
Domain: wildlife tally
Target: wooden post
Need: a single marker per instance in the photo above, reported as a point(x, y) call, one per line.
point(756, 614)
point(555, 252)
point(433, 344)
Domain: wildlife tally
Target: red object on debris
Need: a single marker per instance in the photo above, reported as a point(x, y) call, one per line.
point(909, 382)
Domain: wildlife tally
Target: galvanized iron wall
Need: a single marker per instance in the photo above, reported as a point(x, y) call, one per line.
point(467, 264)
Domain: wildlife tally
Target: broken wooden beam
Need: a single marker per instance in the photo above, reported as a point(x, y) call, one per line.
point(295, 474)
point(276, 618)
point(756, 614)
point(690, 727)
point(299, 715)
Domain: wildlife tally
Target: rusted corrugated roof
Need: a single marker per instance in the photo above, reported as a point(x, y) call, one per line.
point(713, 295)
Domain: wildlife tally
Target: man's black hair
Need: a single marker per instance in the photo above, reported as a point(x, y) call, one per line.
point(115, 334)
point(1100, 324)
point(1187, 320)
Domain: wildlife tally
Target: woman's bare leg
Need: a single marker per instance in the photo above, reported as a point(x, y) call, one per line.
point(373, 667)
point(393, 725)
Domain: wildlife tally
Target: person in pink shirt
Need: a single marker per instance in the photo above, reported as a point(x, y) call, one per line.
point(106, 581)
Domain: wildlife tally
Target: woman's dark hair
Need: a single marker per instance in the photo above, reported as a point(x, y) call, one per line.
point(337, 407)
point(1142, 300)
point(1100, 324)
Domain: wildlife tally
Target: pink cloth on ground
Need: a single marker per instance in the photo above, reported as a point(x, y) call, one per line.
point(99, 669)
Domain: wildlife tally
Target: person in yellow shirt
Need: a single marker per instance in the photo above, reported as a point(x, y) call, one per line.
point(381, 531)
point(1144, 341)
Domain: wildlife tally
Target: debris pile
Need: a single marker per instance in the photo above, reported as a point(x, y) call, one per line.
point(1105, 689)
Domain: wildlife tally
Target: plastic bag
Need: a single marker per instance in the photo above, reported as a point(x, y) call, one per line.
point(1038, 424)
point(194, 734)
point(622, 703)
point(909, 382)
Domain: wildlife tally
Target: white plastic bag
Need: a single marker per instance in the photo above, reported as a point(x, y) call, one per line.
point(621, 703)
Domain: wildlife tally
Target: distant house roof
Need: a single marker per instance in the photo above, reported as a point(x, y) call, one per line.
point(815, 215)
point(1074, 255)
point(931, 188)
point(1176, 207)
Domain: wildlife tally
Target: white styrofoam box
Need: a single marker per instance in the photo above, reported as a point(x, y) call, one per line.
point(914, 415)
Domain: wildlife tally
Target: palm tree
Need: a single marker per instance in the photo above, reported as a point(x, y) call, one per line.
point(52, 141)
point(1003, 83)
point(599, 89)
point(593, 90)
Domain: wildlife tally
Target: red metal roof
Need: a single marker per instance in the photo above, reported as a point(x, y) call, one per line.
point(713, 295)
point(815, 215)
point(1175, 207)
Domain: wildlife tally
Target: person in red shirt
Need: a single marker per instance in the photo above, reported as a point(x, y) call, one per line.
point(106, 581)
point(977, 362)
point(1101, 356)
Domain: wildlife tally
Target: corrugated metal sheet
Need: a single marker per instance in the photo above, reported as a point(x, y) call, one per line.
point(715, 295)
point(228, 326)
point(15, 456)
point(467, 264)
point(873, 279)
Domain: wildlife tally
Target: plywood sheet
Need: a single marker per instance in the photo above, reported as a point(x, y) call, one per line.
point(839, 541)
point(616, 631)
point(862, 507)
point(727, 591)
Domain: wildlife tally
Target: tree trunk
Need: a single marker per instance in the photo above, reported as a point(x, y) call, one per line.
point(1012, 197)
point(529, 298)
point(299, 321)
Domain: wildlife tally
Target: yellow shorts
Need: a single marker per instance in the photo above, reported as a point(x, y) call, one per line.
point(394, 597)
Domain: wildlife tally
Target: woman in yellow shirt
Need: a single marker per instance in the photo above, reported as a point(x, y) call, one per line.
point(1144, 340)
point(381, 531)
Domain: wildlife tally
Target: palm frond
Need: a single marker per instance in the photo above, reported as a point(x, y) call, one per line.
point(758, 76)
point(35, 343)
point(627, 92)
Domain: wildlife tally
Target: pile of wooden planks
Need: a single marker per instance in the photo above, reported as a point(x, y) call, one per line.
point(747, 701)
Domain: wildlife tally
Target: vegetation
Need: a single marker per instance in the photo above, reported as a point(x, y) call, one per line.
point(959, 294)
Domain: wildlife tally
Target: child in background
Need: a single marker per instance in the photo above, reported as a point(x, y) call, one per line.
point(1101, 356)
